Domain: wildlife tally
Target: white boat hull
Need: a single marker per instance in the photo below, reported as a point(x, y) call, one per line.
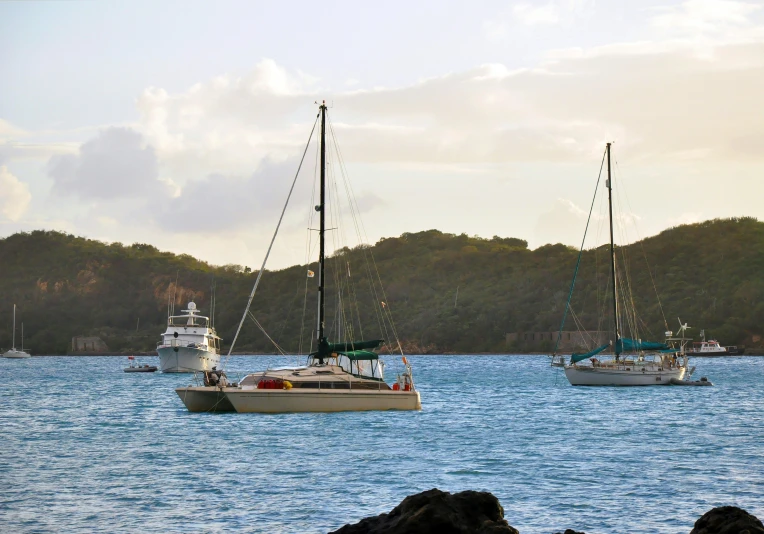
point(186, 359)
point(602, 376)
point(14, 354)
point(320, 400)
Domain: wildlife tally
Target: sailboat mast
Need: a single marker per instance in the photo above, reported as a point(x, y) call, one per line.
point(322, 228)
point(612, 252)
point(14, 327)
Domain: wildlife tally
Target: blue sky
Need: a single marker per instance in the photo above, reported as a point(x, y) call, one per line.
point(179, 123)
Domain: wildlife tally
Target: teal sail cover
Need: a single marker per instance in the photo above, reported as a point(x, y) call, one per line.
point(326, 349)
point(355, 345)
point(631, 345)
point(575, 358)
point(355, 355)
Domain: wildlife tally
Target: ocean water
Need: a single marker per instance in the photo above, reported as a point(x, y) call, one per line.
point(88, 448)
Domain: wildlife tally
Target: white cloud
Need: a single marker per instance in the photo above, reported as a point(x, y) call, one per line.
point(532, 15)
point(705, 16)
point(14, 195)
point(115, 164)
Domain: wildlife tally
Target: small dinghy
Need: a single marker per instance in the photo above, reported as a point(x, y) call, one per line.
point(702, 382)
point(136, 368)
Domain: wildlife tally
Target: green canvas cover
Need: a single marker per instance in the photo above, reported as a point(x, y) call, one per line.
point(634, 345)
point(575, 358)
point(355, 345)
point(360, 355)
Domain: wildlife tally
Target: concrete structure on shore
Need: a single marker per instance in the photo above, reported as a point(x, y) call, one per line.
point(89, 344)
point(569, 342)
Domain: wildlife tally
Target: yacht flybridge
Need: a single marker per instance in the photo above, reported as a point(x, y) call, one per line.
point(189, 344)
point(337, 376)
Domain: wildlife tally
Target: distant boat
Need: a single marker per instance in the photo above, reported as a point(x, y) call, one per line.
point(712, 348)
point(14, 353)
point(135, 367)
point(342, 376)
point(189, 344)
point(634, 362)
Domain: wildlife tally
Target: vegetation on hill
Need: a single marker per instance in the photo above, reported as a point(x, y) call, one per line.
point(447, 293)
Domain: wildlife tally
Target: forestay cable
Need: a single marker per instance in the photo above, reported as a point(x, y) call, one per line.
point(268, 253)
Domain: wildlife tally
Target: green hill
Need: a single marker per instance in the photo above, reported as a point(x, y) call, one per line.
point(709, 274)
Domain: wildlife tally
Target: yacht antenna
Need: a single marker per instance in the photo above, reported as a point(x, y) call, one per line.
point(322, 228)
point(612, 252)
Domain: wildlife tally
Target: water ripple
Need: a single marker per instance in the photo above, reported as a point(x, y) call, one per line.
point(117, 452)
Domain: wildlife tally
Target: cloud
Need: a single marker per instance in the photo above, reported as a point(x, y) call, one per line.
point(699, 17)
point(116, 164)
point(14, 195)
point(225, 202)
point(531, 15)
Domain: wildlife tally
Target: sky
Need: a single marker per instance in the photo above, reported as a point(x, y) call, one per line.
point(181, 124)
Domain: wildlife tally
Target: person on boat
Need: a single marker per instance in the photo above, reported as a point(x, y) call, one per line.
point(211, 377)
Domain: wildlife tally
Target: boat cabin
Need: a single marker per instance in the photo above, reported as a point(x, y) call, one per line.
point(190, 330)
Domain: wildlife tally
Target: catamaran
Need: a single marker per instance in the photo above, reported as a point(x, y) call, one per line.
point(634, 362)
point(15, 353)
point(338, 376)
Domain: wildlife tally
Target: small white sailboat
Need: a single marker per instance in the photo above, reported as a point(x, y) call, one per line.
point(343, 376)
point(189, 344)
point(634, 362)
point(14, 353)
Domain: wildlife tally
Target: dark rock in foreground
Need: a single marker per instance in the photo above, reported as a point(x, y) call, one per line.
point(570, 531)
point(479, 512)
point(438, 512)
point(727, 520)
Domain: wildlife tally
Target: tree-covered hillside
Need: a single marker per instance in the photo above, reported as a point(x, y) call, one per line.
point(446, 292)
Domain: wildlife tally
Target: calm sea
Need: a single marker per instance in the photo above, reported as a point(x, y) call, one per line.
point(88, 448)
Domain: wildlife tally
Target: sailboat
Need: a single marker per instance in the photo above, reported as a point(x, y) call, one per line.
point(634, 362)
point(14, 353)
point(338, 376)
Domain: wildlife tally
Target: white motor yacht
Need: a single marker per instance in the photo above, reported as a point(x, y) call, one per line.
point(189, 344)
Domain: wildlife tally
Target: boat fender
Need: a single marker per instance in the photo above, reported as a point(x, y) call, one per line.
point(407, 387)
point(396, 387)
point(287, 384)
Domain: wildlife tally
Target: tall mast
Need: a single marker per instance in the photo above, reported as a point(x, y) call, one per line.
point(14, 327)
point(612, 252)
point(322, 228)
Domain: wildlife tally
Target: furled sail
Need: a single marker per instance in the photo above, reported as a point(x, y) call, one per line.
point(634, 345)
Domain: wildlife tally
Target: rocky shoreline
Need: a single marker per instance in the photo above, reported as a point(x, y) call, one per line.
point(479, 512)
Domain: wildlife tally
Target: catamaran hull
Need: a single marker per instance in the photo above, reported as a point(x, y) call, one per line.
point(186, 360)
point(315, 400)
point(597, 376)
point(204, 399)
